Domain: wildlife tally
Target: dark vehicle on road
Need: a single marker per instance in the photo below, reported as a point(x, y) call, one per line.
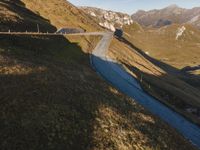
point(118, 33)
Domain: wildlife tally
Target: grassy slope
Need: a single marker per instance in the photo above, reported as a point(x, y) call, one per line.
point(176, 54)
point(161, 44)
point(65, 16)
point(47, 103)
point(15, 17)
point(161, 79)
point(52, 99)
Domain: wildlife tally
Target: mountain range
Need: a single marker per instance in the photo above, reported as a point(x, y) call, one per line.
point(169, 15)
point(172, 14)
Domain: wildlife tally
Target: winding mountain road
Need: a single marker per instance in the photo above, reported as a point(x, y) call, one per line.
point(114, 73)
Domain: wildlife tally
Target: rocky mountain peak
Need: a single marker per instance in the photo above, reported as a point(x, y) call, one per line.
point(107, 18)
point(173, 6)
point(168, 15)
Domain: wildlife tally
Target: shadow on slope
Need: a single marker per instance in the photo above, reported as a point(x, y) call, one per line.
point(191, 79)
point(41, 106)
point(23, 19)
point(156, 62)
point(189, 68)
point(17, 2)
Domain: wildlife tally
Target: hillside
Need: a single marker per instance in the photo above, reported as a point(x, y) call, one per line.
point(108, 19)
point(65, 14)
point(16, 17)
point(25, 15)
point(172, 52)
point(169, 15)
point(168, 44)
point(52, 99)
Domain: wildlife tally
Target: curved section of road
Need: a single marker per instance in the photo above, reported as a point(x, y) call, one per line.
point(119, 78)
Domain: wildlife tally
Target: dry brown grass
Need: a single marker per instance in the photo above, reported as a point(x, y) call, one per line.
point(52, 99)
point(62, 14)
point(161, 44)
point(16, 17)
point(47, 103)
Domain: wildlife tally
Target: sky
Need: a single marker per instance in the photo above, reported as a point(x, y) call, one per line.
point(131, 6)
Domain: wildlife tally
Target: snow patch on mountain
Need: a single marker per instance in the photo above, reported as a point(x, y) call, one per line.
point(107, 25)
point(108, 19)
point(117, 18)
point(180, 32)
point(93, 14)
